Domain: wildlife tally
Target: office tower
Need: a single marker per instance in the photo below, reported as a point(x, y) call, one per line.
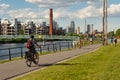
point(88, 29)
point(72, 26)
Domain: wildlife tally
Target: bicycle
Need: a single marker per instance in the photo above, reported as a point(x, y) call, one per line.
point(30, 57)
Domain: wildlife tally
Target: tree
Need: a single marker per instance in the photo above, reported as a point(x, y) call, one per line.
point(72, 34)
point(118, 32)
point(111, 34)
point(21, 32)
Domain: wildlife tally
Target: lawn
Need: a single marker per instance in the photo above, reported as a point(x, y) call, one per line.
point(103, 64)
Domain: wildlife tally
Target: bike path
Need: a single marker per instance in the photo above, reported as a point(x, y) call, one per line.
point(13, 69)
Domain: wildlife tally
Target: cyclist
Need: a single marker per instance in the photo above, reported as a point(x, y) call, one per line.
point(32, 48)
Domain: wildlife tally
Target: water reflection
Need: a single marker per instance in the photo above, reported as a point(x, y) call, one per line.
point(5, 51)
point(10, 45)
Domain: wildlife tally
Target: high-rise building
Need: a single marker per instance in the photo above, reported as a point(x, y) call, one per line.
point(17, 26)
point(72, 26)
point(43, 24)
point(78, 30)
point(55, 25)
point(88, 29)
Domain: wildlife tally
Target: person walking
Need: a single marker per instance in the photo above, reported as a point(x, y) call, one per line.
point(115, 41)
point(80, 42)
point(111, 41)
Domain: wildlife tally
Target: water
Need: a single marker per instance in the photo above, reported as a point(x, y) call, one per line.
point(4, 48)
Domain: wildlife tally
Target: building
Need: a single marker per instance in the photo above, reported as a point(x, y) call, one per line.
point(78, 30)
point(29, 28)
point(0, 28)
point(42, 30)
point(7, 27)
point(55, 27)
point(72, 26)
point(43, 24)
point(88, 29)
point(17, 25)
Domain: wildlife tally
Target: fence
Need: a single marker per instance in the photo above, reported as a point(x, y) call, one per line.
point(9, 53)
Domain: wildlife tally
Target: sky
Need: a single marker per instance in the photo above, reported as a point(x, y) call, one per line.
point(64, 11)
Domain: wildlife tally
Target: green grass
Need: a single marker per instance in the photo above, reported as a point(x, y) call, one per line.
point(103, 64)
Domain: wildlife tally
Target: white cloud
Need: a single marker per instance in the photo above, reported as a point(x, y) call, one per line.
point(57, 3)
point(89, 11)
point(4, 6)
point(28, 14)
point(114, 10)
point(22, 13)
point(61, 13)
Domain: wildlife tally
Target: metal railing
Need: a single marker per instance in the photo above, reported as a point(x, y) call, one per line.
point(39, 36)
point(9, 53)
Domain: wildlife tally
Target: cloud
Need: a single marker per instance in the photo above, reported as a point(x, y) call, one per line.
point(57, 3)
point(114, 10)
point(89, 11)
point(22, 13)
point(29, 14)
point(4, 6)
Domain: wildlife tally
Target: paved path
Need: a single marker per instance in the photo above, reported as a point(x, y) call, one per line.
point(15, 68)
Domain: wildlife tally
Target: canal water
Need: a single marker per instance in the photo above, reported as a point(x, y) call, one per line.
point(4, 48)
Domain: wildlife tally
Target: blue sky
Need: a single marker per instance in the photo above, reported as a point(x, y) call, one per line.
point(64, 12)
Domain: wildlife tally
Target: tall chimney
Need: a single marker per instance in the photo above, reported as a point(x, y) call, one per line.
point(51, 22)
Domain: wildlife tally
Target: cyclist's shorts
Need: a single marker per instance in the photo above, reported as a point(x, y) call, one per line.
point(33, 50)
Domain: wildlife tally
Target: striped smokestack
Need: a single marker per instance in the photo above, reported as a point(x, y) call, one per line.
point(51, 22)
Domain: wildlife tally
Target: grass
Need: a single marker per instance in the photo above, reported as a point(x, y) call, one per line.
point(103, 64)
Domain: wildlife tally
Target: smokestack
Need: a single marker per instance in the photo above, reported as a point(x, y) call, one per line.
point(51, 22)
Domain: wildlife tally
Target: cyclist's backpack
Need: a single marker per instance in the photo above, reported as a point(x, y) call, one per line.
point(29, 44)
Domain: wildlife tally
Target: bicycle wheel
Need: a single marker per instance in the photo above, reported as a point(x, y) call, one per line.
point(28, 62)
point(37, 60)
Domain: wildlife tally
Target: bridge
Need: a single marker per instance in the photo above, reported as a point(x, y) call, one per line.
point(40, 37)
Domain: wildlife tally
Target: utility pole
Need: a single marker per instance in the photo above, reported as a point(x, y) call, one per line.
point(105, 20)
point(105, 17)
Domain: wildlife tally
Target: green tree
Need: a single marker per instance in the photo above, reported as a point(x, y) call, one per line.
point(111, 33)
point(72, 34)
point(118, 32)
point(21, 32)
